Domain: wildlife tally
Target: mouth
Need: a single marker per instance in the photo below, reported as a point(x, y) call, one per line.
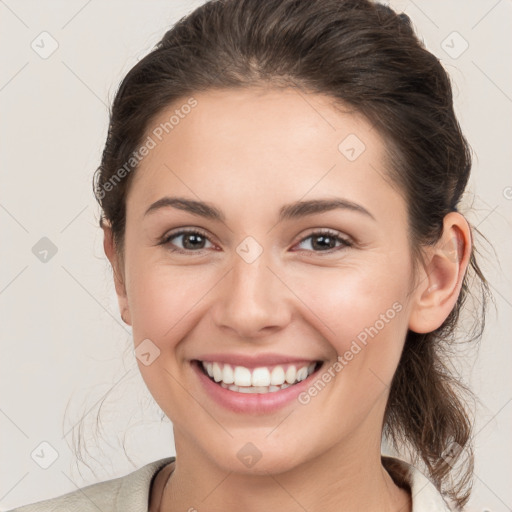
point(259, 380)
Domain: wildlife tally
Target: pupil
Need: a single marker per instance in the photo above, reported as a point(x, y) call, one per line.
point(192, 237)
point(327, 242)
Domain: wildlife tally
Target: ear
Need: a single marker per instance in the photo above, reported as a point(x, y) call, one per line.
point(117, 268)
point(441, 275)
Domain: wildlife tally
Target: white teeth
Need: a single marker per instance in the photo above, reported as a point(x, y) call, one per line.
point(217, 372)
point(302, 373)
point(277, 376)
point(291, 374)
point(260, 377)
point(258, 380)
point(253, 389)
point(242, 376)
point(227, 374)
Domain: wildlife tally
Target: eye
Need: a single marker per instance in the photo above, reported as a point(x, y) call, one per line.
point(325, 241)
point(192, 240)
point(195, 240)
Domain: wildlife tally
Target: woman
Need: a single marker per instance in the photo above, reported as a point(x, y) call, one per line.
point(279, 190)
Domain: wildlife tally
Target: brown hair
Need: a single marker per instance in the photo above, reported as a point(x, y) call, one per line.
point(367, 57)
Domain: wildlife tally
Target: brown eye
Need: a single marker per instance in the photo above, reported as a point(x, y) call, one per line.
point(187, 241)
point(325, 241)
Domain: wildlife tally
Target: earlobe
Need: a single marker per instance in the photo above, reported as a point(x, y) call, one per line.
point(442, 275)
point(115, 261)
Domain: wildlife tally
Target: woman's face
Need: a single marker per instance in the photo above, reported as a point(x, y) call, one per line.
point(273, 277)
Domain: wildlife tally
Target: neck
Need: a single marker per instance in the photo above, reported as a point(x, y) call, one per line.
point(353, 479)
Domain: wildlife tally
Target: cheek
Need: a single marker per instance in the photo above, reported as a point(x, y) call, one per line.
point(161, 299)
point(362, 313)
point(164, 303)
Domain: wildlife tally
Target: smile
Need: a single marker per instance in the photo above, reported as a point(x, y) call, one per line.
point(261, 380)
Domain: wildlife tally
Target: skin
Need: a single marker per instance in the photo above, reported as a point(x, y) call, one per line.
point(249, 152)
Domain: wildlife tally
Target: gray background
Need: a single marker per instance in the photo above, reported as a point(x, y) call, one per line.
point(65, 351)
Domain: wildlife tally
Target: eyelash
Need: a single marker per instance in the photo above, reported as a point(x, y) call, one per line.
point(345, 242)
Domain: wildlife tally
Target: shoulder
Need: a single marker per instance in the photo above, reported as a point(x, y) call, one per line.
point(129, 493)
point(425, 495)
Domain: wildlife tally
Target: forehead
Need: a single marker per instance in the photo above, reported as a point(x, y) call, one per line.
point(277, 144)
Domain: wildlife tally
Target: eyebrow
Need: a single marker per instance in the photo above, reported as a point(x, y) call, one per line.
point(294, 210)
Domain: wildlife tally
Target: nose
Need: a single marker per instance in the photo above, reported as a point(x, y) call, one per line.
point(253, 301)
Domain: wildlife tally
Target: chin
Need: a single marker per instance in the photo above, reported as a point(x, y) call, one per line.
point(258, 458)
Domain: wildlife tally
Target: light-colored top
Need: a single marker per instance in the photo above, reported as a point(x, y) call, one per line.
point(131, 493)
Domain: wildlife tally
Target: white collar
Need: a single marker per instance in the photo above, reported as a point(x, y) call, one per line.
point(425, 496)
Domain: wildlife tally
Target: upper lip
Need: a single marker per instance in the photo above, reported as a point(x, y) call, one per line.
point(254, 361)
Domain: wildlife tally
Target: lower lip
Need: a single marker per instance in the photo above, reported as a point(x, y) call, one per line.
point(252, 403)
